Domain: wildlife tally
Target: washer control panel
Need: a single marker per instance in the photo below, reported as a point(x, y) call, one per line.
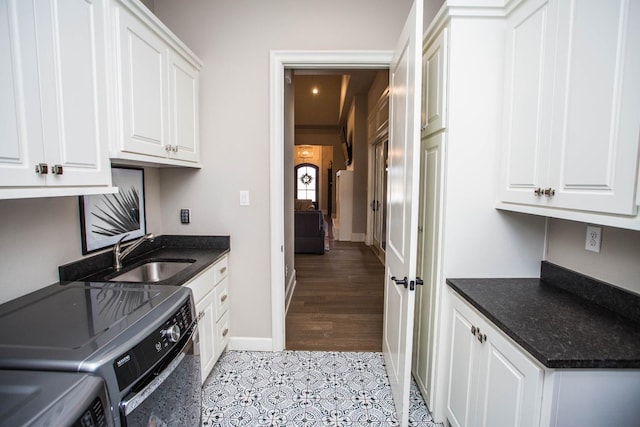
point(133, 364)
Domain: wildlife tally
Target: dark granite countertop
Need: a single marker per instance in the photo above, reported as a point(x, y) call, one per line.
point(558, 328)
point(202, 250)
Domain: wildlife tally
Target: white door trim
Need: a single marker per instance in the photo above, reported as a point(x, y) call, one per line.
point(279, 60)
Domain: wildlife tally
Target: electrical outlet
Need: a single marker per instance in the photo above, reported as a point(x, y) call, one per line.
point(594, 237)
point(185, 216)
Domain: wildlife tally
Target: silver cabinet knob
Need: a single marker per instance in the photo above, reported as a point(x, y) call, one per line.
point(57, 170)
point(549, 192)
point(42, 168)
point(538, 191)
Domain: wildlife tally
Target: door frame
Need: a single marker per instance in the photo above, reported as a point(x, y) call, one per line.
point(278, 61)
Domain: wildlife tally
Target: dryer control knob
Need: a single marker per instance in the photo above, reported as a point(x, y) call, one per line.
point(172, 333)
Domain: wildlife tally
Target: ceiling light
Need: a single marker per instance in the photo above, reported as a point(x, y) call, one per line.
point(314, 91)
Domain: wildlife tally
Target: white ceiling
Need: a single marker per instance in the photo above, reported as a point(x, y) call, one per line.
point(328, 108)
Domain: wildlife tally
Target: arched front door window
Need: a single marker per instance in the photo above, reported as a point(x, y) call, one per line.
point(306, 186)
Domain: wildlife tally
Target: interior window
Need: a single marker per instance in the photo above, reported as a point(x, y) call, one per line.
point(306, 182)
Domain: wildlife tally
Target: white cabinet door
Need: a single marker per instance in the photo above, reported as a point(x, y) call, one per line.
point(525, 155)
point(184, 104)
point(596, 106)
point(572, 110)
point(222, 335)
point(207, 332)
point(462, 371)
point(21, 144)
point(434, 66)
point(56, 109)
point(144, 115)
point(429, 232)
point(509, 386)
point(72, 55)
point(492, 382)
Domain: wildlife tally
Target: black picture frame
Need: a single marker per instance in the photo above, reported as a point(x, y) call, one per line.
point(106, 218)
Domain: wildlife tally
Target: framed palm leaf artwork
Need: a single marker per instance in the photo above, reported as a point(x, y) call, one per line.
point(107, 218)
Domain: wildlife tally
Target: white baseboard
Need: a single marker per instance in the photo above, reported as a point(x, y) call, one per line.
point(291, 286)
point(357, 237)
point(250, 344)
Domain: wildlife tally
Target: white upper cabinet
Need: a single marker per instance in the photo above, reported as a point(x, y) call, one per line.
point(157, 97)
point(144, 95)
point(54, 132)
point(184, 108)
point(434, 69)
point(572, 109)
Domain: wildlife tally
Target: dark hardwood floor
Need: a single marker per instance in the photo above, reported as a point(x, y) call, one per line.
point(337, 304)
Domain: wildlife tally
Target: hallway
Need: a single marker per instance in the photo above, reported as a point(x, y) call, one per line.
point(338, 301)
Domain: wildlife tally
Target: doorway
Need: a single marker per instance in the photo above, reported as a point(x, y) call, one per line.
point(279, 62)
point(378, 205)
point(336, 300)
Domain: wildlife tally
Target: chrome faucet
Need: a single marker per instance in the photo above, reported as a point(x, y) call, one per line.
point(119, 254)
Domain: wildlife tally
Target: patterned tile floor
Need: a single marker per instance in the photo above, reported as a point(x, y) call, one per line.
point(304, 388)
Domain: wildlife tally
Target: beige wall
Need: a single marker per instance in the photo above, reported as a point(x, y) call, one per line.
point(617, 263)
point(234, 38)
point(429, 11)
point(149, 4)
point(38, 235)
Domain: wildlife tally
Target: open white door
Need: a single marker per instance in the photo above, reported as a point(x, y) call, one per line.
point(402, 196)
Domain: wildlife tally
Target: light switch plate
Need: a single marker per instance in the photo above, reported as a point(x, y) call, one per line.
point(244, 198)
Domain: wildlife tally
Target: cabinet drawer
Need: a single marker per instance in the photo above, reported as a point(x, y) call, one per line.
point(222, 297)
point(202, 284)
point(223, 333)
point(221, 268)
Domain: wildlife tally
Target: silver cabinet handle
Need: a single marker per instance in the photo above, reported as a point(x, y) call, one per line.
point(473, 330)
point(175, 148)
point(225, 332)
point(200, 315)
point(168, 147)
point(481, 337)
point(42, 168)
point(223, 298)
point(223, 270)
point(538, 191)
point(549, 192)
point(57, 170)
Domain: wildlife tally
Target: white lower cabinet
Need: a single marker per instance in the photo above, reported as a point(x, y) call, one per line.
point(207, 330)
point(210, 292)
point(491, 381)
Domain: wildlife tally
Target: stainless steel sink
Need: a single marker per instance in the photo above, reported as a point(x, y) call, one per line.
point(152, 271)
